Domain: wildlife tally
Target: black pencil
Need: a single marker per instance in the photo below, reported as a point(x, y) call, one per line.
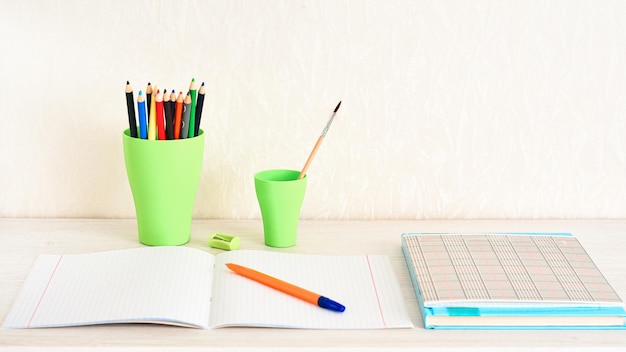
point(173, 110)
point(200, 103)
point(130, 105)
point(169, 122)
point(148, 99)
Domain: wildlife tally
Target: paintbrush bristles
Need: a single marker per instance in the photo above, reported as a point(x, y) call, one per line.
point(330, 121)
point(338, 105)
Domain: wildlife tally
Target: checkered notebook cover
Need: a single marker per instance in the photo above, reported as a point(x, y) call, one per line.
point(507, 274)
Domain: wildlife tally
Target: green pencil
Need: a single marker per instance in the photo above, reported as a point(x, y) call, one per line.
point(192, 113)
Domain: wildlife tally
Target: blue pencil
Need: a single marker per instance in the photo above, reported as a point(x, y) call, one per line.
point(143, 122)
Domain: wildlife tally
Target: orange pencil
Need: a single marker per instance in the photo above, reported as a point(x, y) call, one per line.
point(178, 115)
point(159, 115)
point(287, 288)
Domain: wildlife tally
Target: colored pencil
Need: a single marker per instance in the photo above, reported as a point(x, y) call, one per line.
point(186, 112)
point(199, 105)
point(141, 107)
point(172, 110)
point(149, 98)
point(178, 115)
point(169, 120)
point(130, 106)
point(192, 113)
point(152, 128)
point(159, 115)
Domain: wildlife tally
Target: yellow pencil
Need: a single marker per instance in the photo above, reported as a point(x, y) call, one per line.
point(152, 128)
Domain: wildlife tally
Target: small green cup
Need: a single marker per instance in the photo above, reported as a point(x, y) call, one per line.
point(163, 177)
point(280, 195)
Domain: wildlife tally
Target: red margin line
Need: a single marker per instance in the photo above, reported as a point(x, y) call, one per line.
point(44, 292)
point(380, 308)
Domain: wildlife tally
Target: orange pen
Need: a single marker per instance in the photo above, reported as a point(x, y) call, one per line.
point(293, 290)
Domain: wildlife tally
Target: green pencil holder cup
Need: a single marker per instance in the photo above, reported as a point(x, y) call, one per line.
point(280, 194)
point(163, 177)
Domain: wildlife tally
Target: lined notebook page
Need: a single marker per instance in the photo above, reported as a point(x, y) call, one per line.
point(152, 284)
point(365, 285)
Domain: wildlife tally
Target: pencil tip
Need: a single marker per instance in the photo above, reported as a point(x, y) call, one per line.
point(127, 82)
point(337, 108)
point(148, 83)
point(193, 79)
point(202, 84)
point(140, 92)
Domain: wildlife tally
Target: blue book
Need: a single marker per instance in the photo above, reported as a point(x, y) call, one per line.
point(509, 281)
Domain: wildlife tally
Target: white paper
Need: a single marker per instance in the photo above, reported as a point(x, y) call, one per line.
point(365, 285)
point(134, 285)
point(189, 287)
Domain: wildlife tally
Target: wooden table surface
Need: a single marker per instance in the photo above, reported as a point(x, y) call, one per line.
point(24, 239)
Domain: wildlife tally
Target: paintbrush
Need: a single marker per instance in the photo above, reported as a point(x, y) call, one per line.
point(319, 142)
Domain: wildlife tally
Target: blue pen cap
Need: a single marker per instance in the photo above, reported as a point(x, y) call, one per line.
point(328, 303)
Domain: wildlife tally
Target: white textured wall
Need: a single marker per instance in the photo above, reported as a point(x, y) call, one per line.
point(451, 109)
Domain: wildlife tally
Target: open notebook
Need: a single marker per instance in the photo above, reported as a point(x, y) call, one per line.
point(189, 287)
point(527, 280)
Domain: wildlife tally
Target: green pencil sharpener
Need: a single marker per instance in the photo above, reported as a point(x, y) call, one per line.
point(225, 242)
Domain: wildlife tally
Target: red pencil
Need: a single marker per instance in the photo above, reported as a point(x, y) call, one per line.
point(159, 115)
